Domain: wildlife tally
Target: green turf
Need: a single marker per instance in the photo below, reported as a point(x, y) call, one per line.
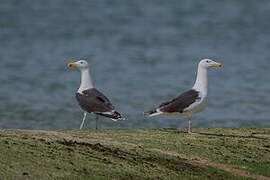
point(125, 154)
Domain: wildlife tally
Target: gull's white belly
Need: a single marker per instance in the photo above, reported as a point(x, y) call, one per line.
point(196, 108)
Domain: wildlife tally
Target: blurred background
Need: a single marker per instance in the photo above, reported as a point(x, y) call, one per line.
point(141, 53)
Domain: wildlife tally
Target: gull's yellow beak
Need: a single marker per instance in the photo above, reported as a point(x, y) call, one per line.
point(218, 64)
point(72, 64)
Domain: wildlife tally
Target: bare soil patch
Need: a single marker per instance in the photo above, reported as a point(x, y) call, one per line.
point(202, 162)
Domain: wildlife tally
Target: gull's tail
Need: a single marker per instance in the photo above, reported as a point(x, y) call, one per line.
point(153, 112)
point(117, 116)
point(114, 115)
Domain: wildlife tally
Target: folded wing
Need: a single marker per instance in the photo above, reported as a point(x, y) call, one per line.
point(93, 101)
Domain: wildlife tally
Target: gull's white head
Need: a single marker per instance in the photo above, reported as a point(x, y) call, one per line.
point(81, 64)
point(207, 63)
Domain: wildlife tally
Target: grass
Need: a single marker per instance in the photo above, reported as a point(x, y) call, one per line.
point(221, 153)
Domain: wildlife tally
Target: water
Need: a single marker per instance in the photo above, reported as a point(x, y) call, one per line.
point(141, 53)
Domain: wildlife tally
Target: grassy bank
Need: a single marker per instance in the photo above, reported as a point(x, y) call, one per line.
point(221, 153)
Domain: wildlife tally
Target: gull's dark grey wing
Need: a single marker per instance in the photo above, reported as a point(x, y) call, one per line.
point(179, 104)
point(93, 101)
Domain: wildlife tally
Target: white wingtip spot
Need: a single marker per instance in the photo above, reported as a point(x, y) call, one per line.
point(121, 119)
point(155, 114)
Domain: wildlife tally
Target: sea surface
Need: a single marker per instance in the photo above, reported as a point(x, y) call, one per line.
point(141, 53)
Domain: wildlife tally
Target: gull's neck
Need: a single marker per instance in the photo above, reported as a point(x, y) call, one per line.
point(201, 81)
point(86, 82)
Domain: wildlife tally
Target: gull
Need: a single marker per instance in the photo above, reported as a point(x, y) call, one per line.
point(189, 102)
point(90, 99)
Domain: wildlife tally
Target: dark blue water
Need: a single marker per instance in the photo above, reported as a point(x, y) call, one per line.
point(141, 53)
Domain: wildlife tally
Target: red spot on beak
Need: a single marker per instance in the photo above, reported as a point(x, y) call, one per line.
point(72, 64)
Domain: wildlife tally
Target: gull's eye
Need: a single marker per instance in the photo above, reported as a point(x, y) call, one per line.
point(208, 61)
point(81, 62)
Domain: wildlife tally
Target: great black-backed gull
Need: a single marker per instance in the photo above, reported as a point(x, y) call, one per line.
point(90, 99)
point(191, 101)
